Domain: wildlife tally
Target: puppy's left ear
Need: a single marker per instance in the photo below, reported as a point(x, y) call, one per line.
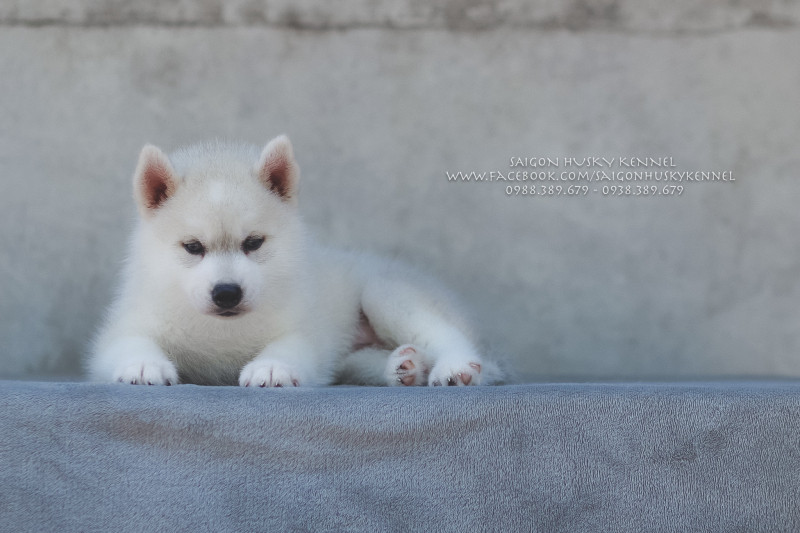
point(154, 181)
point(278, 170)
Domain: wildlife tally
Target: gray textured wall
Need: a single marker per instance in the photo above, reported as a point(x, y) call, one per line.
point(380, 99)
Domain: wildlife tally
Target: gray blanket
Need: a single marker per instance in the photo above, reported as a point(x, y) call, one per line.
point(692, 457)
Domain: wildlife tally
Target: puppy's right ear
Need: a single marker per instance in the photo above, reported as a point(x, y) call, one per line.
point(154, 180)
point(278, 170)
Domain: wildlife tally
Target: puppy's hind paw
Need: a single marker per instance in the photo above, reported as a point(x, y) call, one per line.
point(456, 375)
point(406, 366)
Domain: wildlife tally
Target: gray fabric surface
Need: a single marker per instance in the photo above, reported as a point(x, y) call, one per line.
point(688, 457)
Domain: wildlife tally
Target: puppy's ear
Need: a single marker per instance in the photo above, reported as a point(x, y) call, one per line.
point(278, 170)
point(154, 180)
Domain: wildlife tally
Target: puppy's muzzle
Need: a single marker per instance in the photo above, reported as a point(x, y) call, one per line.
point(226, 296)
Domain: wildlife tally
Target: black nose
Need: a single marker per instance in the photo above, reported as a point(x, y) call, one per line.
point(226, 295)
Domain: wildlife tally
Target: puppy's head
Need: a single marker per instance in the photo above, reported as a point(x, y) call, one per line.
point(219, 222)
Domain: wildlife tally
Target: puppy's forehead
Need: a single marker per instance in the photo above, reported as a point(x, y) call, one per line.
point(222, 214)
point(216, 192)
point(227, 207)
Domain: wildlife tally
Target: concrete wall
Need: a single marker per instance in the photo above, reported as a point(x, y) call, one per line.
point(381, 100)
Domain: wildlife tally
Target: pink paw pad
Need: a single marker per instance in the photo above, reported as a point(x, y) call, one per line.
point(460, 378)
point(410, 369)
point(406, 367)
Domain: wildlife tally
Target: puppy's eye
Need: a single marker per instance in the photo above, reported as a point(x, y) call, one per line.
point(194, 247)
point(252, 243)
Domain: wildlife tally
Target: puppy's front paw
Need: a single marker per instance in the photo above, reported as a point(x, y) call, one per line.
point(455, 373)
point(152, 372)
point(268, 373)
point(407, 366)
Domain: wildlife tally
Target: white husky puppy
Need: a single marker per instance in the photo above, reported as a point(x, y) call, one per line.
point(223, 286)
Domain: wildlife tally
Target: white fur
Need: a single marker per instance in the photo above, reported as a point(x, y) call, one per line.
point(301, 319)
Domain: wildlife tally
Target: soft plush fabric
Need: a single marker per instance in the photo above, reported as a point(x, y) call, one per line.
point(588, 457)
